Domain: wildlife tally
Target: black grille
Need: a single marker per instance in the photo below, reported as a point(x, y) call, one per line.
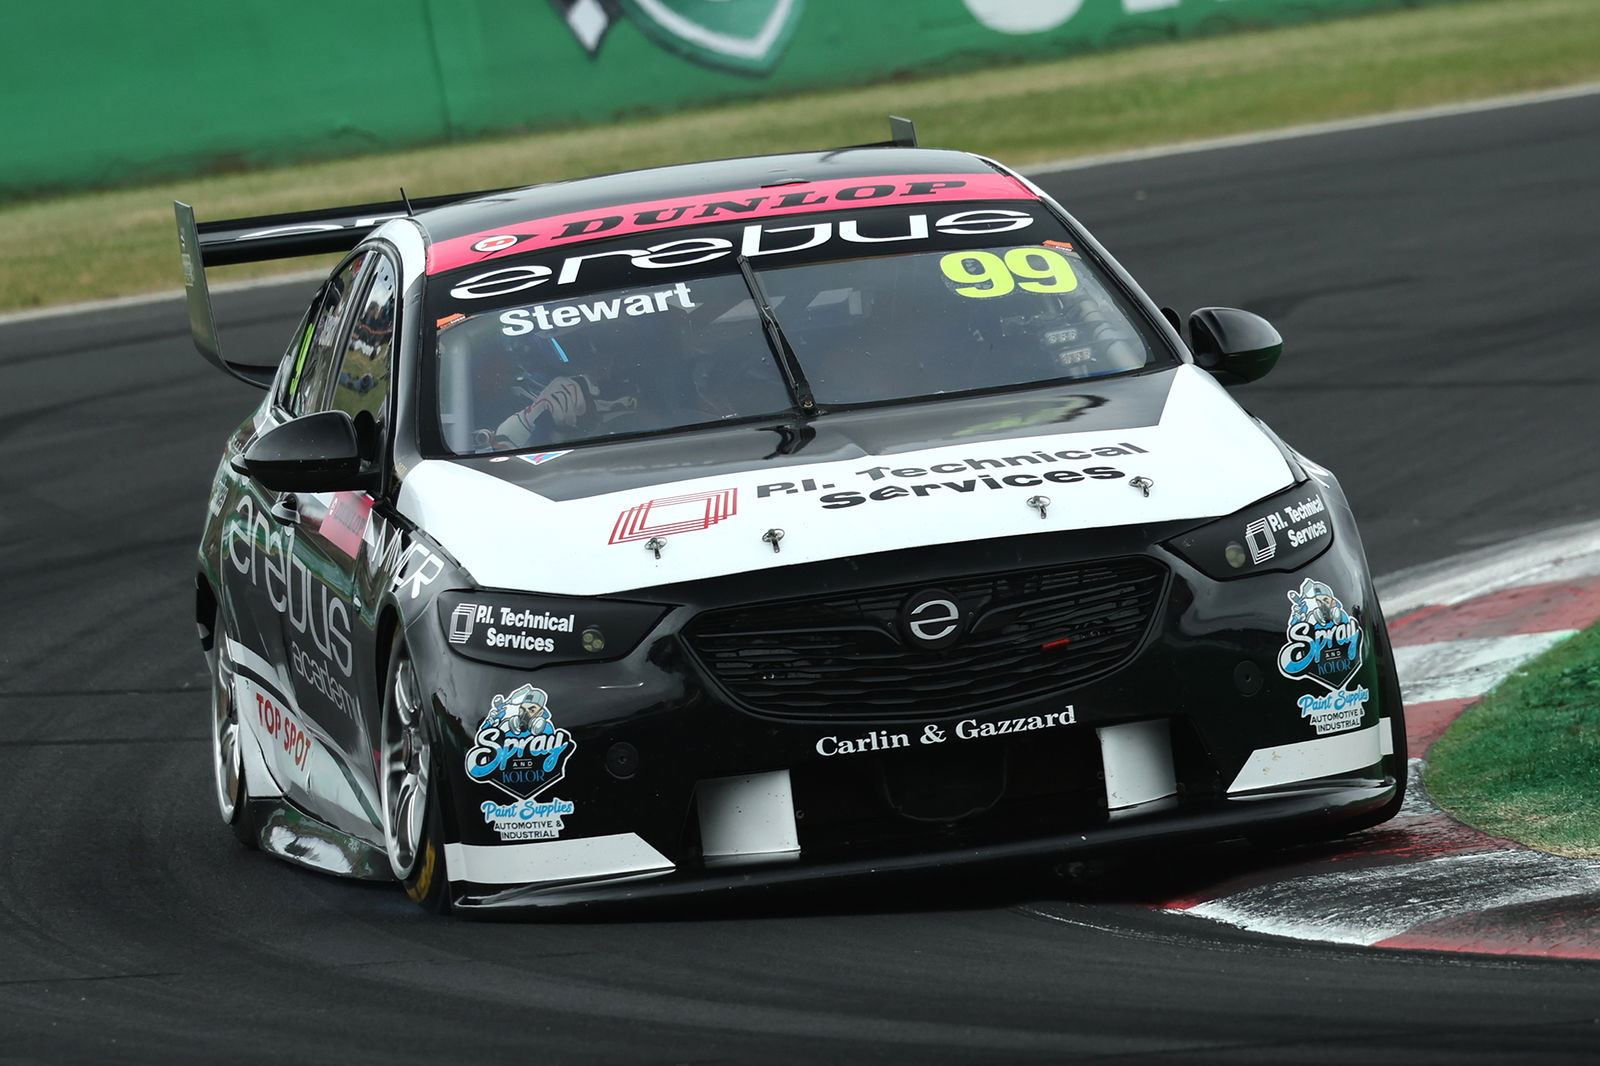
point(843, 655)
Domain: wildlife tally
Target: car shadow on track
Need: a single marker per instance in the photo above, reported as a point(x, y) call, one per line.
point(1165, 878)
point(1183, 876)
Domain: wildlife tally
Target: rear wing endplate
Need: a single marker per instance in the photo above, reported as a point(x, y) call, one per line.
point(902, 134)
point(263, 237)
point(202, 323)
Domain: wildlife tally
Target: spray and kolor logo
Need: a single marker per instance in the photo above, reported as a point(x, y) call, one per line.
point(744, 36)
point(1323, 643)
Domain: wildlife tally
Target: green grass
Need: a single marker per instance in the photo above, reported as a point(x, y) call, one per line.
point(1525, 763)
point(122, 242)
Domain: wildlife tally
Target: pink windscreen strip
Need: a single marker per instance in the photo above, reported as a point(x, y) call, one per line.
point(735, 205)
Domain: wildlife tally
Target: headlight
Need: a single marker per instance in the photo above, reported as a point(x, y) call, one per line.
point(527, 631)
point(1282, 532)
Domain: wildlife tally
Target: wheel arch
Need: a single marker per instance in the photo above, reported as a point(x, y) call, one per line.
point(207, 610)
point(388, 625)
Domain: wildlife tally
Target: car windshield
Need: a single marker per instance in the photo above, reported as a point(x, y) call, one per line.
point(677, 348)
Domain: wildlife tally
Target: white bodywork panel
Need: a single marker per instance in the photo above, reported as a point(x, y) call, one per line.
point(748, 815)
point(1137, 757)
point(582, 859)
point(1307, 760)
point(1205, 458)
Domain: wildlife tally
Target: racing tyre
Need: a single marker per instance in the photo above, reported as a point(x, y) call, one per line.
point(1400, 761)
point(413, 828)
point(227, 740)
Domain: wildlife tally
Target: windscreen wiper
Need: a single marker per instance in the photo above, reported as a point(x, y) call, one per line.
point(799, 387)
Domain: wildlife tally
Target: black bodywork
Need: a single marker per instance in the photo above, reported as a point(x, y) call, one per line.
point(678, 709)
point(1178, 646)
point(683, 705)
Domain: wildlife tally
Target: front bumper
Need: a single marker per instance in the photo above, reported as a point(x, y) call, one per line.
point(1310, 810)
point(675, 785)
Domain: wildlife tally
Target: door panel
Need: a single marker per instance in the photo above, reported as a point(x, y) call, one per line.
point(329, 632)
point(293, 608)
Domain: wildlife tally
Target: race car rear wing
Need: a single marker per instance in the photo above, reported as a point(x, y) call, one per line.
point(331, 229)
point(263, 237)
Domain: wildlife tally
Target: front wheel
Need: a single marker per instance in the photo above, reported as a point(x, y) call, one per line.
point(227, 740)
point(412, 824)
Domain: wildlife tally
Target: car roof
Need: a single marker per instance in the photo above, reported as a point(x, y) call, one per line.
point(511, 207)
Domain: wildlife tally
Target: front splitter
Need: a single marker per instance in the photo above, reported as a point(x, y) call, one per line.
point(1313, 813)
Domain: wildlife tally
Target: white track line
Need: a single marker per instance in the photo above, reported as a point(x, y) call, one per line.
point(116, 303)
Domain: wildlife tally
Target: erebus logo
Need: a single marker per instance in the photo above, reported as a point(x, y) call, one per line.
point(932, 619)
point(754, 241)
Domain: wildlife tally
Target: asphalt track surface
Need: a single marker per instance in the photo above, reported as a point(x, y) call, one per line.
point(1436, 282)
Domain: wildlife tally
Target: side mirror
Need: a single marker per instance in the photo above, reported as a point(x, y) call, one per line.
point(318, 452)
point(1233, 346)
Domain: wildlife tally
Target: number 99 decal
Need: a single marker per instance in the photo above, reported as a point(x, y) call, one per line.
point(984, 274)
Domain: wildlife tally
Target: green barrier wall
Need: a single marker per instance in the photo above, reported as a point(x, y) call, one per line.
point(105, 93)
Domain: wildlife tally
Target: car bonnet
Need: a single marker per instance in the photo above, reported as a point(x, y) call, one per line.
point(629, 515)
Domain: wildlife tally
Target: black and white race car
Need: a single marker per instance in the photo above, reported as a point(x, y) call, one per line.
point(762, 520)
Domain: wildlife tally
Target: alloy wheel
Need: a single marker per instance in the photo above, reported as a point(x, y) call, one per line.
point(226, 755)
point(406, 762)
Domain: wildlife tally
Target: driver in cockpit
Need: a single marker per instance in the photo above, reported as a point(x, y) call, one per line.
point(555, 403)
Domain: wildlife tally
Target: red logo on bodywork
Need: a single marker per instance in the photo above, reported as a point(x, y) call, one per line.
point(498, 243)
point(675, 514)
point(346, 521)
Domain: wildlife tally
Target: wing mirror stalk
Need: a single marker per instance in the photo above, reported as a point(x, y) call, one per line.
point(1233, 346)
